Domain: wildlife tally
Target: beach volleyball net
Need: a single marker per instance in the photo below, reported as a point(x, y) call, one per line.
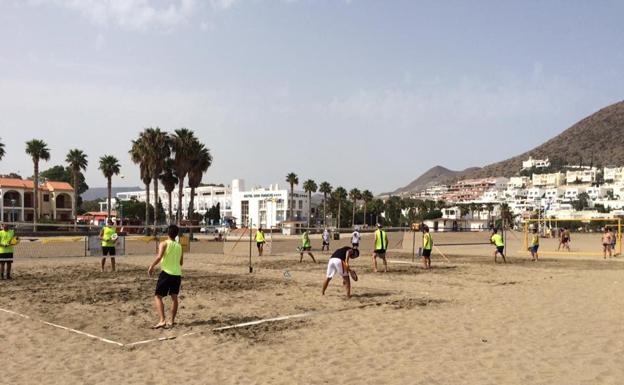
point(580, 236)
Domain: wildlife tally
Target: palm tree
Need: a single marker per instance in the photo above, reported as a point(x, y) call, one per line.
point(38, 150)
point(201, 160)
point(326, 189)
point(340, 194)
point(139, 155)
point(293, 180)
point(367, 196)
point(77, 161)
point(354, 195)
point(158, 150)
point(169, 181)
point(181, 141)
point(1, 150)
point(310, 187)
point(109, 165)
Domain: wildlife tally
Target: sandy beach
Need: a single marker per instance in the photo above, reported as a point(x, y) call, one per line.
point(467, 321)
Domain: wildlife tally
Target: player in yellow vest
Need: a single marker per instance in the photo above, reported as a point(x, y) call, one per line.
point(497, 240)
point(171, 258)
point(381, 246)
point(427, 247)
point(7, 241)
point(260, 241)
point(305, 246)
point(534, 245)
point(108, 236)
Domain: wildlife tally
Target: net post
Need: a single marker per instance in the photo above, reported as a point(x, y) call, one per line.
point(619, 236)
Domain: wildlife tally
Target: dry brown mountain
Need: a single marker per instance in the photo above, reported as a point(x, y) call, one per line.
point(434, 176)
point(598, 139)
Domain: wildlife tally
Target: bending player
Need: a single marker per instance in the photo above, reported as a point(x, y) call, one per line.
point(171, 259)
point(339, 263)
point(306, 246)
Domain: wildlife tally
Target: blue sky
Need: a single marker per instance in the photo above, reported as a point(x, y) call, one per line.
point(365, 94)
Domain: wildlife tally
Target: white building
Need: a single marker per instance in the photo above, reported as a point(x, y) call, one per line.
point(555, 179)
point(613, 174)
point(518, 182)
point(537, 163)
point(267, 206)
point(581, 176)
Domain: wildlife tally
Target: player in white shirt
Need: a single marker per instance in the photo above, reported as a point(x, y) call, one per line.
point(355, 239)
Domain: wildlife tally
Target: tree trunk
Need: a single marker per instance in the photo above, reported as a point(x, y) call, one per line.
point(365, 204)
point(324, 210)
point(353, 217)
point(292, 188)
point(75, 199)
point(309, 207)
point(190, 212)
point(35, 195)
point(156, 202)
point(169, 193)
point(180, 193)
point(338, 224)
point(147, 204)
point(109, 187)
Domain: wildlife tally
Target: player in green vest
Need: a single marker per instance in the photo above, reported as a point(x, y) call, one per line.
point(7, 241)
point(171, 258)
point(427, 247)
point(305, 246)
point(108, 236)
point(497, 240)
point(381, 246)
point(260, 241)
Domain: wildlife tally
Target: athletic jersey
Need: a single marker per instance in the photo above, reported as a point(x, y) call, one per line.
point(107, 234)
point(305, 240)
point(6, 236)
point(355, 237)
point(170, 262)
point(326, 236)
point(381, 240)
point(259, 236)
point(535, 240)
point(427, 241)
point(497, 239)
point(341, 253)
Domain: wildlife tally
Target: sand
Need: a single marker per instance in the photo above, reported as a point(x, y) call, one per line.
point(467, 321)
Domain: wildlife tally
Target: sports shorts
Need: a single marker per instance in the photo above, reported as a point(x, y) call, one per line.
point(168, 284)
point(108, 250)
point(334, 265)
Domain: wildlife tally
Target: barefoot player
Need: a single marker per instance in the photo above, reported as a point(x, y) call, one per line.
point(326, 237)
point(306, 246)
point(260, 241)
point(381, 245)
point(606, 243)
point(427, 247)
point(497, 240)
point(171, 259)
point(339, 263)
point(534, 245)
point(7, 240)
point(108, 235)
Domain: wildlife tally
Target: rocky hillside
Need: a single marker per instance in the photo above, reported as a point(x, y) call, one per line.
point(598, 139)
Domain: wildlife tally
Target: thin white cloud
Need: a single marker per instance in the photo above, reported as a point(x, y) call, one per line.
point(129, 14)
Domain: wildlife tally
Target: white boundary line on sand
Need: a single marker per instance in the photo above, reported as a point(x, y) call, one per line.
point(64, 328)
point(222, 328)
point(160, 339)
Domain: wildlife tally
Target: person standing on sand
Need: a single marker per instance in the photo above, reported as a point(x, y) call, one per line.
point(108, 236)
point(564, 241)
point(427, 247)
point(306, 246)
point(260, 241)
point(613, 241)
point(497, 240)
point(381, 246)
point(606, 243)
point(7, 241)
point(534, 245)
point(326, 237)
point(339, 263)
point(355, 239)
point(171, 258)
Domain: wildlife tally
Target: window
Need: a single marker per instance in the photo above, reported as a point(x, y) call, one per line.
point(300, 205)
point(244, 212)
point(262, 205)
point(46, 197)
point(280, 204)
